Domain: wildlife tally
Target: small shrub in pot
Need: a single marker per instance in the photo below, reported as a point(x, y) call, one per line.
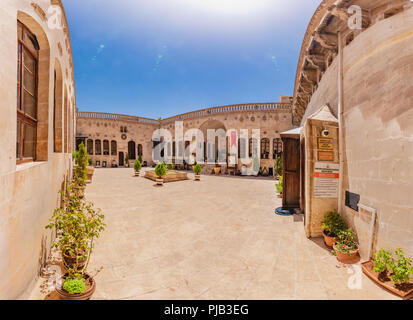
point(332, 224)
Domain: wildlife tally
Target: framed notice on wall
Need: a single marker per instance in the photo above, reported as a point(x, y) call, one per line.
point(326, 180)
point(325, 143)
point(325, 155)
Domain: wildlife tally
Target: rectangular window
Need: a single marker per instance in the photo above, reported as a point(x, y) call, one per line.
point(27, 77)
point(105, 147)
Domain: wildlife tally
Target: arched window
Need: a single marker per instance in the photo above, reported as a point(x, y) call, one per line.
point(27, 115)
point(113, 148)
point(105, 147)
point(98, 148)
point(57, 108)
point(277, 147)
point(140, 150)
point(90, 146)
point(132, 150)
point(265, 148)
point(66, 122)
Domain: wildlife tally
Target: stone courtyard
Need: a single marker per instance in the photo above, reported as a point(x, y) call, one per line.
point(207, 240)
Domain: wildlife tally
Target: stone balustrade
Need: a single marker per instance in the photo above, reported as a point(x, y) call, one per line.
point(250, 107)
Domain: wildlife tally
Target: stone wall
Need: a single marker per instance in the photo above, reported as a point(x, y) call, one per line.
point(378, 125)
point(29, 191)
point(271, 121)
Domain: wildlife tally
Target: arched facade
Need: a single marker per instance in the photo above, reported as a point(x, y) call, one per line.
point(270, 118)
point(33, 172)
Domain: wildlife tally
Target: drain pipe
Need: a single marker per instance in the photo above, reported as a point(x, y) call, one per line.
point(340, 121)
point(371, 231)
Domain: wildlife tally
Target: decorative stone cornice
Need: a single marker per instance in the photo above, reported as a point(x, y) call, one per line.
point(320, 43)
point(40, 12)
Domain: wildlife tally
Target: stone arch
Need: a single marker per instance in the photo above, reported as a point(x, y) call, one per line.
point(98, 147)
point(132, 150)
point(43, 85)
point(89, 147)
point(58, 108)
point(113, 148)
point(214, 125)
point(66, 120)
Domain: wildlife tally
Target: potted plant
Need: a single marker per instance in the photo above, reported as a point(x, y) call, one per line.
point(77, 224)
point(170, 166)
point(160, 172)
point(332, 224)
point(392, 273)
point(217, 168)
point(197, 170)
point(346, 248)
point(80, 172)
point(127, 160)
point(137, 167)
point(279, 186)
point(278, 167)
point(90, 170)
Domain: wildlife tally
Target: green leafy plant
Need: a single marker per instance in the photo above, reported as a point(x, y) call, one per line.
point(77, 224)
point(137, 166)
point(333, 223)
point(127, 159)
point(160, 170)
point(90, 161)
point(140, 159)
point(170, 166)
point(75, 155)
point(197, 169)
point(402, 269)
point(347, 242)
point(279, 185)
point(278, 166)
point(74, 286)
point(80, 172)
point(383, 261)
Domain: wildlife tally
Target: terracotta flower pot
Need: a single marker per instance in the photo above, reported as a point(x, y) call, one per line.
point(329, 241)
point(159, 181)
point(71, 261)
point(90, 171)
point(217, 170)
point(137, 173)
point(281, 195)
point(345, 258)
point(197, 177)
point(90, 289)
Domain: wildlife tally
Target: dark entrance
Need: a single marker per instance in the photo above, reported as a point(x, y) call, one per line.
point(132, 150)
point(79, 141)
point(121, 159)
point(291, 172)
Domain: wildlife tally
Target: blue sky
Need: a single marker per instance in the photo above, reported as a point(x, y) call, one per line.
point(158, 58)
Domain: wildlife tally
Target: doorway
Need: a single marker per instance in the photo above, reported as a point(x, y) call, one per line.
point(121, 159)
point(291, 172)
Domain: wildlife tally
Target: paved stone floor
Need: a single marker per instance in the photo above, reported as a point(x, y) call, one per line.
point(214, 239)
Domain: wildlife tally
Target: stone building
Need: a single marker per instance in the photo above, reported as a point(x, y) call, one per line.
point(353, 103)
point(36, 159)
point(109, 137)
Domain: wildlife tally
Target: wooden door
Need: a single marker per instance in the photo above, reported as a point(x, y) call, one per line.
point(302, 159)
point(121, 159)
point(291, 173)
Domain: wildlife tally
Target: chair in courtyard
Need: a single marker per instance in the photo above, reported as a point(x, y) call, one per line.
point(232, 165)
